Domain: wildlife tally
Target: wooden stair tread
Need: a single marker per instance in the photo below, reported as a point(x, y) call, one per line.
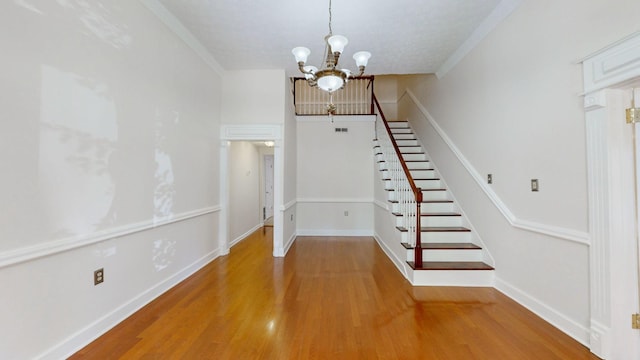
point(440, 189)
point(438, 229)
point(451, 265)
point(445, 246)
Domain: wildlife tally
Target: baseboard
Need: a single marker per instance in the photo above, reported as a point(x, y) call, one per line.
point(96, 329)
point(243, 236)
point(550, 315)
point(334, 232)
point(394, 259)
point(289, 243)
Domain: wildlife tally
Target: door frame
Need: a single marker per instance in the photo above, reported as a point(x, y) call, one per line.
point(609, 75)
point(252, 132)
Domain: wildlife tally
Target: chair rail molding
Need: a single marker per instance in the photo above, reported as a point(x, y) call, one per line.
point(562, 233)
point(610, 179)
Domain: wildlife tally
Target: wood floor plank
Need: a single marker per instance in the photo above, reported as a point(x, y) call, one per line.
point(330, 298)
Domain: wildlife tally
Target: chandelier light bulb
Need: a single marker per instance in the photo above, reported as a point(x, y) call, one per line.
point(301, 53)
point(337, 43)
point(361, 58)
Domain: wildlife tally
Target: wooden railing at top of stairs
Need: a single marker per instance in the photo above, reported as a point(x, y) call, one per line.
point(354, 99)
point(410, 216)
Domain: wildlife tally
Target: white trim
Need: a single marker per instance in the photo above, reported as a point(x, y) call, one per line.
point(289, 243)
point(337, 118)
point(612, 65)
point(391, 255)
point(576, 236)
point(166, 17)
point(81, 338)
point(335, 232)
point(549, 314)
point(288, 205)
point(245, 235)
point(336, 200)
point(504, 9)
point(383, 205)
point(33, 252)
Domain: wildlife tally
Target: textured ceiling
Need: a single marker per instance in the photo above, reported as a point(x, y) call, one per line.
point(403, 36)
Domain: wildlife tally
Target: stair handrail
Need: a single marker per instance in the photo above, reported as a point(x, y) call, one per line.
point(417, 191)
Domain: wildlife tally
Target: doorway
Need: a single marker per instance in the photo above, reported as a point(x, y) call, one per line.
point(251, 133)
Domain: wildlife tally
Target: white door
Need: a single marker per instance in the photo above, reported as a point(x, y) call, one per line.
point(268, 186)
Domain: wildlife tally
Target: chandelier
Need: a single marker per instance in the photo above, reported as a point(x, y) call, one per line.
point(330, 78)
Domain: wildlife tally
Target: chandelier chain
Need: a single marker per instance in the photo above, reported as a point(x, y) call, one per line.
point(330, 31)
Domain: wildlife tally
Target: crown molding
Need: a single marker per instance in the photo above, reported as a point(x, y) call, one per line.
point(504, 9)
point(166, 17)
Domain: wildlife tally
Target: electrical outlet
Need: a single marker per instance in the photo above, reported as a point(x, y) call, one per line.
point(489, 179)
point(98, 276)
point(346, 213)
point(291, 217)
point(534, 185)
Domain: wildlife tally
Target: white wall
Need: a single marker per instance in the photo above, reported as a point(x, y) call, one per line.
point(334, 176)
point(254, 97)
point(110, 153)
point(512, 108)
point(244, 190)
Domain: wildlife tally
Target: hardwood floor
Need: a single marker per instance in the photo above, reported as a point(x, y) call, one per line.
point(330, 298)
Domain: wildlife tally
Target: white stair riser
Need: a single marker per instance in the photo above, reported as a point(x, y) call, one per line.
point(426, 195)
point(435, 195)
point(396, 131)
point(398, 124)
point(423, 184)
point(484, 278)
point(429, 184)
point(404, 142)
point(403, 136)
point(429, 207)
point(435, 221)
point(441, 237)
point(423, 174)
point(419, 165)
point(411, 149)
point(448, 255)
point(411, 157)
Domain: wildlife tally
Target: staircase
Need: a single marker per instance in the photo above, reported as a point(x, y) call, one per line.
point(451, 252)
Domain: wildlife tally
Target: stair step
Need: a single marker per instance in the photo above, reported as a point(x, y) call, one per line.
point(452, 265)
point(445, 201)
point(438, 229)
point(401, 130)
point(405, 136)
point(445, 246)
point(398, 124)
point(433, 214)
point(407, 142)
point(414, 157)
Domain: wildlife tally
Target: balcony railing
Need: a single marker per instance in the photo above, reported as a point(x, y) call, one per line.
point(356, 98)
